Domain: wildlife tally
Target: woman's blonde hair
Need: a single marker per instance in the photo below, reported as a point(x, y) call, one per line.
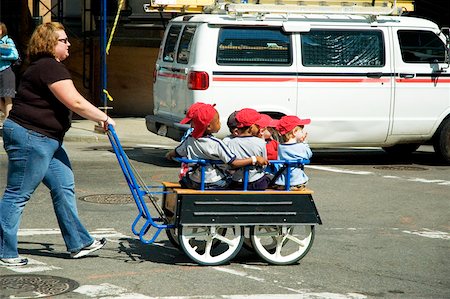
point(4, 29)
point(44, 39)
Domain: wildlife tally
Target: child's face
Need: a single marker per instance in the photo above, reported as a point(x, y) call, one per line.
point(300, 134)
point(255, 131)
point(265, 133)
point(214, 125)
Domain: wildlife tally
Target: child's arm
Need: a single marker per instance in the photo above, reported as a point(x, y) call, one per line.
point(249, 161)
point(170, 155)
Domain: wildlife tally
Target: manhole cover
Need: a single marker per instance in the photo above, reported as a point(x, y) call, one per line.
point(34, 286)
point(108, 198)
point(413, 168)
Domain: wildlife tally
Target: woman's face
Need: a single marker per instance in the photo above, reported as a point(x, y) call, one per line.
point(62, 47)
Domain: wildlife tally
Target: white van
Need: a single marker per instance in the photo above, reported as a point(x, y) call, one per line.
point(363, 79)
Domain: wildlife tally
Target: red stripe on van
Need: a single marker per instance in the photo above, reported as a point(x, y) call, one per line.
point(424, 80)
point(308, 79)
point(343, 80)
point(253, 79)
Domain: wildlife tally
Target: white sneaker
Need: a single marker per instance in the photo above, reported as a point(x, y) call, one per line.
point(17, 261)
point(96, 245)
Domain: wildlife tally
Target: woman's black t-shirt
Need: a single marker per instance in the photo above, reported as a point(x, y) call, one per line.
point(35, 107)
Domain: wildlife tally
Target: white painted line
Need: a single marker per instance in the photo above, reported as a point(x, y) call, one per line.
point(355, 172)
point(161, 146)
point(427, 181)
point(98, 233)
point(110, 291)
point(33, 266)
point(333, 169)
point(428, 233)
point(38, 231)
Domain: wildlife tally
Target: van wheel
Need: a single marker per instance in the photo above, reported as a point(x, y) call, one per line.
point(401, 149)
point(441, 142)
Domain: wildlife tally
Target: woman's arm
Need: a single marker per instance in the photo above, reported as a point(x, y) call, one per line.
point(66, 92)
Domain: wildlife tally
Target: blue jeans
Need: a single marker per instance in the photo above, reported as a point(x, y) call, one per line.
point(34, 158)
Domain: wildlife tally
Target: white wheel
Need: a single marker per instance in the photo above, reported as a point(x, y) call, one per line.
point(211, 245)
point(282, 244)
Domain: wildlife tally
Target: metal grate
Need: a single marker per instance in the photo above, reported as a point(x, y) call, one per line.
point(108, 198)
point(410, 168)
point(34, 286)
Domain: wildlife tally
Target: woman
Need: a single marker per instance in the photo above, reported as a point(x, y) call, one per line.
point(33, 136)
point(8, 54)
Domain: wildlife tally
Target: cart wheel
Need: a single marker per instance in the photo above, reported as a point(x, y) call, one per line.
point(247, 240)
point(211, 245)
point(282, 244)
point(173, 237)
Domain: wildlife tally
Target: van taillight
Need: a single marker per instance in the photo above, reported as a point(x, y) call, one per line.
point(198, 80)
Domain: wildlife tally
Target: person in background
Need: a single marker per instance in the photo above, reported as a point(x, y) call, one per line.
point(33, 139)
point(202, 145)
point(248, 144)
point(8, 54)
point(294, 147)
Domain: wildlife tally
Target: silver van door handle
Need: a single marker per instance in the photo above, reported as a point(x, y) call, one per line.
point(407, 76)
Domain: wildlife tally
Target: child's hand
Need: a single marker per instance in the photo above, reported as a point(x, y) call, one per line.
point(261, 161)
point(170, 155)
point(303, 137)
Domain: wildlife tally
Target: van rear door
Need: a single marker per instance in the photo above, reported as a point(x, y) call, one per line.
point(344, 85)
point(166, 75)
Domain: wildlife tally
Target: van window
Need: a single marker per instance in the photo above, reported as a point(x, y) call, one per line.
point(418, 46)
point(184, 49)
point(253, 46)
point(171, 42)
point(337, 48)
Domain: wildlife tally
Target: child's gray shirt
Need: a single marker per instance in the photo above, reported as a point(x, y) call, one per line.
point(209, 148)
point(245, 147)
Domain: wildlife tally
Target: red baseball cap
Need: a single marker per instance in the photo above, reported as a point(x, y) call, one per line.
point(191, 112)
point(247, 117)
point(267, 121)
point(288, 122)
point(201, 119)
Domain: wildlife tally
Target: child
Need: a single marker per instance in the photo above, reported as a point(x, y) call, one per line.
point(245, 145)
point(189, 114)
point(202, 145)
point(232, 126)
point(266, 125)
point(294, 147)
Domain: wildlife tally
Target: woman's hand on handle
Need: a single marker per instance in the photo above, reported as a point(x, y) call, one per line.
point(108, 121)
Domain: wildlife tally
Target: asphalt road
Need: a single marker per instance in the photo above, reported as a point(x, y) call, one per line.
point(385, 233)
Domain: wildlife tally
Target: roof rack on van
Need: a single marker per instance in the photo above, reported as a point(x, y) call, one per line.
point(178, 6)
point(318, 7)
point(286, 7)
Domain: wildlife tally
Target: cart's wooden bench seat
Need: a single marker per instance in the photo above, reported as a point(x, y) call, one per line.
point(176, 187)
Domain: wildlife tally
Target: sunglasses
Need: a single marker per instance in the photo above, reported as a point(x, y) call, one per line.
point(64, 40)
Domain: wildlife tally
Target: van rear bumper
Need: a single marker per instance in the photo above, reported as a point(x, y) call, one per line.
point(174, 130)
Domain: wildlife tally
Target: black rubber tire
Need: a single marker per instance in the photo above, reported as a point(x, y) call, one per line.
point(441, 142)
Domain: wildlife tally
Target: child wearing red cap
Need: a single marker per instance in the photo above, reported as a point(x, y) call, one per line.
point(266, 125)
point(202, 145)
point(294, 147)
point(248, 144)
point(232, 126)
